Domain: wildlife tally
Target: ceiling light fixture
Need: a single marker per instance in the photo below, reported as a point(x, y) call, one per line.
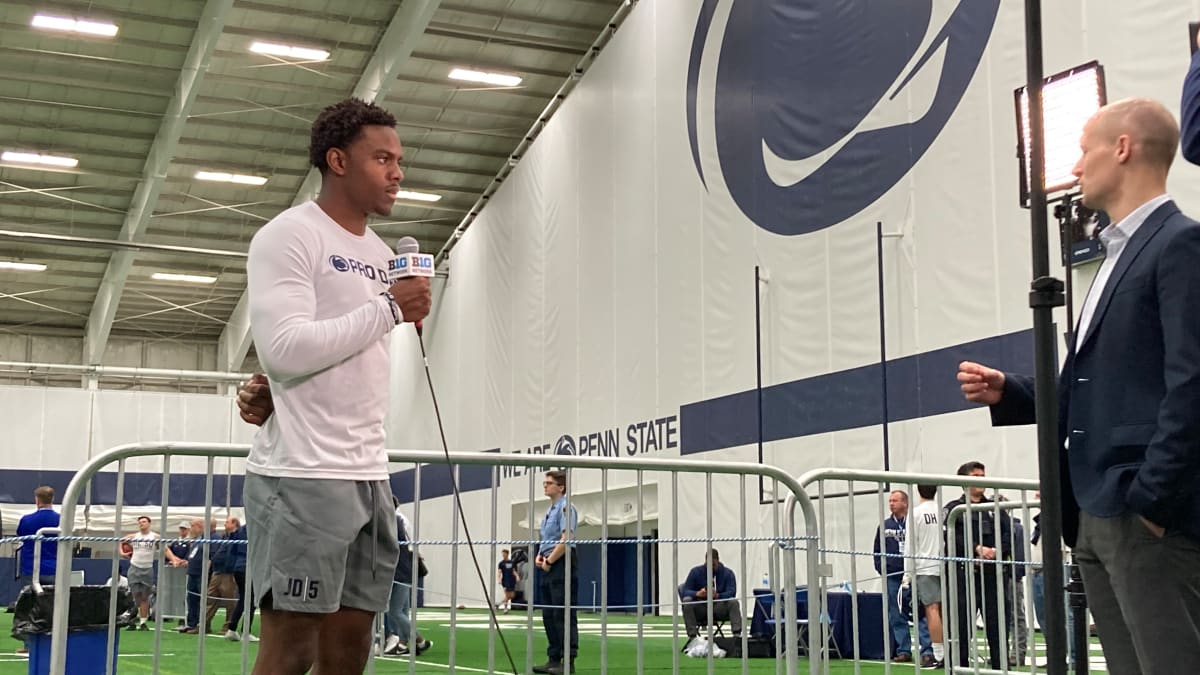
point(498, 79)
point(70, 25)
point(21, 266)
point(189, 278)
point(222, 177)
point(1069, 99)
point(16, 157)
point(418, 196)
point(289, 51)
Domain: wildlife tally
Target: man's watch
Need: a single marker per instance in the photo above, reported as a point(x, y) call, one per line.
point(394, 306)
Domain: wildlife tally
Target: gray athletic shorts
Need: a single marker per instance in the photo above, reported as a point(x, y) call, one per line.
point(929, 589)
point(316, 545)
point(141, 579)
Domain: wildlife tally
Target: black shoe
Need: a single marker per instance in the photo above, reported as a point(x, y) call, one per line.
point(145, 626)
point(423, 646)
point(558, 669)
point(549, 667)
point(131, 627)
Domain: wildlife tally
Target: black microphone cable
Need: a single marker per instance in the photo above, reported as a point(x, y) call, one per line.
point(462, 514)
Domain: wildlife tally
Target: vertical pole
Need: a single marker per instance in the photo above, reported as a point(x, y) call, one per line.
point(883, 378)
point(1046, 293)
point(758, 390)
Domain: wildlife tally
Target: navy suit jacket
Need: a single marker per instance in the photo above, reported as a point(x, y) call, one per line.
point(1129, 397)
point(1189, 113)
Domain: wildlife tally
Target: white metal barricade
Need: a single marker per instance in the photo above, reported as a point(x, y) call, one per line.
point(782, 535)
point(856, 499)
point(1015, 597)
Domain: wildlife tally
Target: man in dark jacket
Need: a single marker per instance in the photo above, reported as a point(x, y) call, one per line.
point(695, 593)
point(195, 576)
point(235, 532)
point(398, 619)
point(222, 588)
point(988, 542)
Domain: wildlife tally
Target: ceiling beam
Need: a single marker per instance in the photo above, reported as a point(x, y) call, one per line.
point(397, 44)
point(505, 15)
point(298, 154)
point(120, 245)
point(104, 310)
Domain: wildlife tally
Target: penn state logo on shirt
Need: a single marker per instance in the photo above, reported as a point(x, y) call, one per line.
point(344, 264)
point(817, 108)
point(565, 445)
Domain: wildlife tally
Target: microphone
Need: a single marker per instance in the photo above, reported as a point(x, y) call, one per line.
point(409, 261)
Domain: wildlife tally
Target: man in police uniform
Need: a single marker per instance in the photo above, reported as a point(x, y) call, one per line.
point(557, 529)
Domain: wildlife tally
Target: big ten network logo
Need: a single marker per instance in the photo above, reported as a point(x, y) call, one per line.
point(419, 264)
point(636, 438)
point(816, 108)
point(343, 264)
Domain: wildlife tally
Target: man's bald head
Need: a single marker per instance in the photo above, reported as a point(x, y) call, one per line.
point(1127, 149)
point(1148, 125)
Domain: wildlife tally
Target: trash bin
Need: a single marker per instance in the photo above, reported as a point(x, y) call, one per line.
point(87, 627)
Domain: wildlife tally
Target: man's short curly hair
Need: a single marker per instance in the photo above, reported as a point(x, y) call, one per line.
point(338, 125)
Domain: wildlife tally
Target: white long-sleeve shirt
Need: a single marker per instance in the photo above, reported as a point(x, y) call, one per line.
point(320, 327)
point(924, 541)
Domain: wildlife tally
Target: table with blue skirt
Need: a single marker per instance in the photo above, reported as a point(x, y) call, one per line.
point(840, 608)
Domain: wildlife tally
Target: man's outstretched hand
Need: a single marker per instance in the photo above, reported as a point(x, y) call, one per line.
point(979, 383)
point(254, 400)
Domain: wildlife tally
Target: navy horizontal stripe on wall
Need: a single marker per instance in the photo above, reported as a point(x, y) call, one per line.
point(918, 386)
point(141, 489)
point(435, 480)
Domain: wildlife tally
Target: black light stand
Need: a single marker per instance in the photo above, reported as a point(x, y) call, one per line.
point(1046, 293)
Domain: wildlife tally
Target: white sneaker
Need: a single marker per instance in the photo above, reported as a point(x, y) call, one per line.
point(391, 643)
point(234, 636)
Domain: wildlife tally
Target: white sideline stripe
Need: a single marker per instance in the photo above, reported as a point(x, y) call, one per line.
point(404, 659)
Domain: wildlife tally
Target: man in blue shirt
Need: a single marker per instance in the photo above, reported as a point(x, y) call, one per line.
point(557, 528)
point(695, 594)
point(45, 516)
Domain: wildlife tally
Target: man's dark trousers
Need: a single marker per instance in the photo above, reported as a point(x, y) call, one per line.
point(553, 597)
point(985, 603)
point(193, 601)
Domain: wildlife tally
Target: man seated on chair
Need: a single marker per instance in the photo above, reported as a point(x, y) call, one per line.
point(695, 592)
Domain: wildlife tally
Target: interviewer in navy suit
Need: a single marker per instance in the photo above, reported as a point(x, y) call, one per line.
point(1129, 401)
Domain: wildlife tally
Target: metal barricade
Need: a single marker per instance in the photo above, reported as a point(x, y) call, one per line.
point(779, 533)
point(842, 552)
point(1015, 598)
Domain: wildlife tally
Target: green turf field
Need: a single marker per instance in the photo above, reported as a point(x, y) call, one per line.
point(221, 657)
